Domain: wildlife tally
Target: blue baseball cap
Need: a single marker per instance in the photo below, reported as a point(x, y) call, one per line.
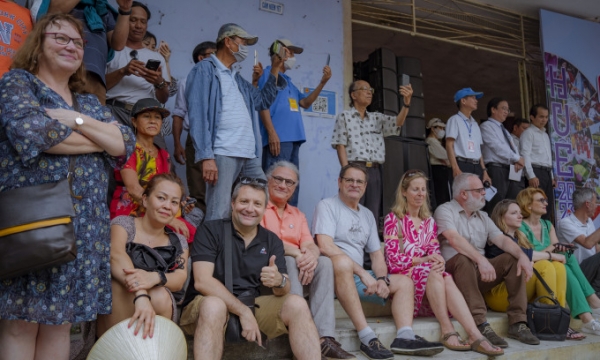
point(467, 92)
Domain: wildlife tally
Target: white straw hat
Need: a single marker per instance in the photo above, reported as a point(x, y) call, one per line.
point(168, 343)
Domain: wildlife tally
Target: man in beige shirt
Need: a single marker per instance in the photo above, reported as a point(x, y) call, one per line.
point(463, 232)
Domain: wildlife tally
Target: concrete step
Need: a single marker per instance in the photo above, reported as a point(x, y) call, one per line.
point(587, 349)
point(379, 318)
point(427, 328)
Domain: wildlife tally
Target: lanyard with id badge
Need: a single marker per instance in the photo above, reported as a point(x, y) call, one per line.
point(470, 142)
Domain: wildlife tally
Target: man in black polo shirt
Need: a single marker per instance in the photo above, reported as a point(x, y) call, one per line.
point(258, 259)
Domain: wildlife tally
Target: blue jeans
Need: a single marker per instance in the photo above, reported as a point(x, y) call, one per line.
point(360, 287)
point(218, 196)
point(289, 151)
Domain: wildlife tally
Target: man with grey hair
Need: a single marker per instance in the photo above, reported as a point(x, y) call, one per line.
point(305, 265)
point(464, 231)
point(578, 229)
point(222, 110)
point(257, 259)
point(358, 137)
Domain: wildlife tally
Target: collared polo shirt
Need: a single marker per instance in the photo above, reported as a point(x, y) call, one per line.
point(285, 111)
point(466, 135)
point(363, 138)
point(569, 228)
point(292, 228)
point(247, 261)
point(478, 229)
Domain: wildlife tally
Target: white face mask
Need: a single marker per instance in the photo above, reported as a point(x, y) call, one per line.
point(241, 54)
point(289, 63)
point(440, 134)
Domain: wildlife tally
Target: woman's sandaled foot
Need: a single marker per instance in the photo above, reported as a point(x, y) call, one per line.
point(485, 347)
point(574, 335)
point(454, 342)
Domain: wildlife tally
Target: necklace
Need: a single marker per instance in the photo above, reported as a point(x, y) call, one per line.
point(151, 151)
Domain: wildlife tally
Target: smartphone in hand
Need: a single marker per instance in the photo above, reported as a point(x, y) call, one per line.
point(405, 80)
point(152, 64)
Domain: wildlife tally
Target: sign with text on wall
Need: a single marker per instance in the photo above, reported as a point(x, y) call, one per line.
point(324, 105)
point(271, 6)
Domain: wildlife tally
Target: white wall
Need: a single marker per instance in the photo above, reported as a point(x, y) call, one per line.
point(316, 25)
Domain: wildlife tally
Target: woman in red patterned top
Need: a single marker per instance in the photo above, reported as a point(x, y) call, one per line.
point(146, 161)
point(412, 249)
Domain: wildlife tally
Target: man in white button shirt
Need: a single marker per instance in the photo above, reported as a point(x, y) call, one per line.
point(578, 229)
point(535, 149)
point(518, 126)
point(463, 138)
point(499, 153)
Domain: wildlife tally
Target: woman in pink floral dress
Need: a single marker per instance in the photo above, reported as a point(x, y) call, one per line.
point(412, 249)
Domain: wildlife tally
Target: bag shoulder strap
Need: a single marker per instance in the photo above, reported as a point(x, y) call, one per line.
point(227, 238)
point(544, 284)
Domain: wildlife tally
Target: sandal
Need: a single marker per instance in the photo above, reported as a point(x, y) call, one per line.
point(464, 346)
point(575, 335)
point(476, 346)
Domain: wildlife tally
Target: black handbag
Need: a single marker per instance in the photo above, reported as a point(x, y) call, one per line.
point(233, 331)
point(161, 258)
point(548, 321)
point(36, 228)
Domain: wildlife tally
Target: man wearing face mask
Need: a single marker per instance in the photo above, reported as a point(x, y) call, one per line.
point(282, 129)
point(223, 121)
point(438, 159)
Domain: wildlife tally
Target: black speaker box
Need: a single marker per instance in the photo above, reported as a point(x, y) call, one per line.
point(401, 155)
point(414, 127)
point(385, 101)
point(360, 70)
point(409, 66)
point(417, 106)
point(384, 78)
point(382, 58)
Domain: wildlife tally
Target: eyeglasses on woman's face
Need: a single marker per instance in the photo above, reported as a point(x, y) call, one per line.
point(63, 39)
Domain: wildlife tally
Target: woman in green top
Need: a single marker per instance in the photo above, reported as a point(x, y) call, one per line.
point(581, 297)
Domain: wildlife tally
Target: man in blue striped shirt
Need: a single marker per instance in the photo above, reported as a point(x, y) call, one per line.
point(223, 120)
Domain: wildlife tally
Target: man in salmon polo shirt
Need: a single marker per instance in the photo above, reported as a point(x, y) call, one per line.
point(306, 267)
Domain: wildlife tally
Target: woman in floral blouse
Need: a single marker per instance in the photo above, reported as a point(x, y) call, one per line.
point(412, 249)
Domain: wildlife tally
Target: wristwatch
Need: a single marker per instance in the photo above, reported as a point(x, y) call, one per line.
point(79, 121)
point(161, 85)
point(283, 282)
point(385, 279)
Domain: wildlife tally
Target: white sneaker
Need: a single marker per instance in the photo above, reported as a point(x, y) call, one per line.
point(592, 327)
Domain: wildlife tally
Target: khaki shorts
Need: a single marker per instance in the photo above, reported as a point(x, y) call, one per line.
point(268, 315)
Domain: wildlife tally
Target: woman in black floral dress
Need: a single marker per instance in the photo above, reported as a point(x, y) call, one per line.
point(39, 132)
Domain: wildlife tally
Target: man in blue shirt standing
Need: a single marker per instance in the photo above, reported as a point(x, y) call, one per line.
point(282, 129)
point(223, 122)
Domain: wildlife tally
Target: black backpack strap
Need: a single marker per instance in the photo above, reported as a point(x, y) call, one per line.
point(227, 239)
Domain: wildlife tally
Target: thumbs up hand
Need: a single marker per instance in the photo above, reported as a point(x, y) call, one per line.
point(269, 275)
